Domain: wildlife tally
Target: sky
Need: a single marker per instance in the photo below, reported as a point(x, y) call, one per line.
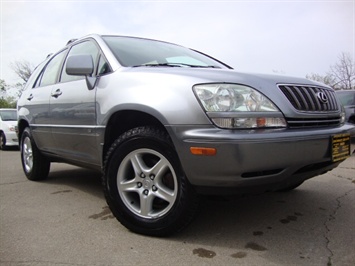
point(287, 37)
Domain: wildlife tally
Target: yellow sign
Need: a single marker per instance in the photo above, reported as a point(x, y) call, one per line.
point(340, 147)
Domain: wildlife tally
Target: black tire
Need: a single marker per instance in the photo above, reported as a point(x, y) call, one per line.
point(145, 186)
point(34, 164)
point(2, 141)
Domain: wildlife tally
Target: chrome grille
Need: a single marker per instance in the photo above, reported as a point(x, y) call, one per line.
point(310, 98)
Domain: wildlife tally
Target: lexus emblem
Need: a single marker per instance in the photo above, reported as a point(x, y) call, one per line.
point(322, 97)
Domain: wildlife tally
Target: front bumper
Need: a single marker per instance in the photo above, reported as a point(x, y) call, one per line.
point(250, 160)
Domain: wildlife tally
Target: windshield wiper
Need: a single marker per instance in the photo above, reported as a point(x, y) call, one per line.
point(195, 66)
point(159, 65)
point(204, 66)
point(175, 65)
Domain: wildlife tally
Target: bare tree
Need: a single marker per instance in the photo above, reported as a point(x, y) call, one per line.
point(343, 72)
point(23, 69)
point(327, 79)
point(341, 76)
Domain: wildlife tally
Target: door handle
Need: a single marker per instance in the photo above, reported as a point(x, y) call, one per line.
point(56, 94)
point(30, 97)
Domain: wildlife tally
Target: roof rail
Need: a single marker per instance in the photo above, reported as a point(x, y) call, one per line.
point(70, 41)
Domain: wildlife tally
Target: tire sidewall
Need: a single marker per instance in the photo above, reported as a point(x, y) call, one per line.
point(2, 141)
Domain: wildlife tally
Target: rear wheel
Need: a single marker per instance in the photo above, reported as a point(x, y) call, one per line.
point(145, 186)
point(34, 164)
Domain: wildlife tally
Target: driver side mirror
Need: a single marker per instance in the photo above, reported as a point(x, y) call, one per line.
point(81, 65)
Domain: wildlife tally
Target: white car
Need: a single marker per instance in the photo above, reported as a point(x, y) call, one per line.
point(8, 123)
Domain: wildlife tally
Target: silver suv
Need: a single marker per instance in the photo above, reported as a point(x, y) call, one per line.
point(165, 124)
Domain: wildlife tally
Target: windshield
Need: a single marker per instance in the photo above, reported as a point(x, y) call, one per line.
point(135, 52)
point(8, 115)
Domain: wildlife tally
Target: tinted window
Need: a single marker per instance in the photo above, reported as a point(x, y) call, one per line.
point(50, 73)
point(84, 48)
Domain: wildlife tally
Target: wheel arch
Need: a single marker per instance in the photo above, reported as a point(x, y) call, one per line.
point(22, 124)
point(124, 120)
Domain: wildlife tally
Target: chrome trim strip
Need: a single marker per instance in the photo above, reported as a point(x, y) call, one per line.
point(67, 126)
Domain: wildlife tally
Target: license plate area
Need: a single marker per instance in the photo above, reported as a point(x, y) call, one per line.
point(340, 147)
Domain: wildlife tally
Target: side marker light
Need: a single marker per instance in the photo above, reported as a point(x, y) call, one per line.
point(203, 151)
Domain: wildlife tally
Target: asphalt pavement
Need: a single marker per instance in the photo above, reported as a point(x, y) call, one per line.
point(64, 220)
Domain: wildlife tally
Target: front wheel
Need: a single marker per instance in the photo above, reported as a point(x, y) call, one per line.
point(145, 185)
point(34, 164)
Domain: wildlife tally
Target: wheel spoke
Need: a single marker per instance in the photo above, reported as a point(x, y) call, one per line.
point(128, 186)
point(165, 194)
point(159, 168)
point(146, 204)
point(137, 163)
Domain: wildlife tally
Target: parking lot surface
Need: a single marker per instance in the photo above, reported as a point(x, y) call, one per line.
point(65, 221)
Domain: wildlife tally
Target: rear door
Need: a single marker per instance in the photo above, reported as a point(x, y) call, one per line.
point(37, 103)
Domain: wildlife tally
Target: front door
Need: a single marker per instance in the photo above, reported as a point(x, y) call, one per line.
point(73, 113)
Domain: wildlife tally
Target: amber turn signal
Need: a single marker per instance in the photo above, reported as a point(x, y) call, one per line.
point(203, 151)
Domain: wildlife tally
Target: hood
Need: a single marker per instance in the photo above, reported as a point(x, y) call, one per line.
point(204, 75)
point(186, 78)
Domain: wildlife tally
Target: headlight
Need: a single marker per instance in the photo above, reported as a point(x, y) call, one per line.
point(238, 106)
point(342, 115)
